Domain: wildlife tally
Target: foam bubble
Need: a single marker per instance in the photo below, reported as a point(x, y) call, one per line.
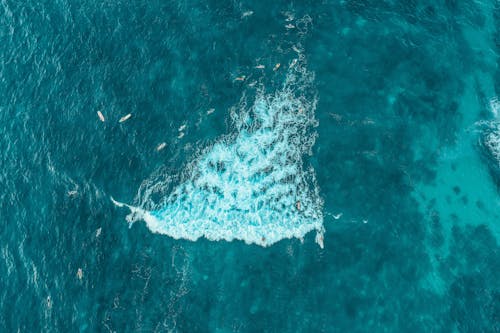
point(251, 185)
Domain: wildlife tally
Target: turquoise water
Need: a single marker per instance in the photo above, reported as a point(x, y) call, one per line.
point(354, 187)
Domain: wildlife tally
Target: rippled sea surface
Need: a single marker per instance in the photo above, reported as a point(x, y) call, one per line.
point(377, 137)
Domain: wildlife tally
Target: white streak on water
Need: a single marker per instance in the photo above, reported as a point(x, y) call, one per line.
point(495, 106)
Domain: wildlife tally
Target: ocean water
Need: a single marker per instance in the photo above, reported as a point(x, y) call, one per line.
point(311, 166)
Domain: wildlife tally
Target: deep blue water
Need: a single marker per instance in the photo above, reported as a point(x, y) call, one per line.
point(378, 132)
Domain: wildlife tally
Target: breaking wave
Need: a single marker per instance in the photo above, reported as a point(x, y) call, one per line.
point(251, 185)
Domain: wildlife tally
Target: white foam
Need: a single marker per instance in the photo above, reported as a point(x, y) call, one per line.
point(492, 140)
point(247, 185)
point(495, 106)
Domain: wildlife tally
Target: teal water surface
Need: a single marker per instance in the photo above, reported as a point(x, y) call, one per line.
point(311, 166)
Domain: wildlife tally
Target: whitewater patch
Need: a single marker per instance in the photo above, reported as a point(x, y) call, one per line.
point(490, 140)
point(495, 106)
point(251, 185)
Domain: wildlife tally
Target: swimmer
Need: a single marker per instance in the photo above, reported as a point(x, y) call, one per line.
point(294, 62)
point(181, 135)
point(72, 193)
point(161, 146)
point(297, 205)
point(276, 67)
point(182, 128)
point(98, 232)
point(240, 78)
point(289, 26)
point(260, 67)
point(210, 111)
point(337, 216)
point(125, 118)
point(79, 274)
point(247, 13)
point(101, 116)
point(49, 302)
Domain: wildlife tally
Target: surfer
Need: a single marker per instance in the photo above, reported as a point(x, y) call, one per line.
point(161, 146)
point(125, 118)
point(101, 116)
point(247, 13)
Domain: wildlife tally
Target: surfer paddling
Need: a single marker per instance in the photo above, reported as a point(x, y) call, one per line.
point(161, 146)
point(101, 116)
point(125, 118)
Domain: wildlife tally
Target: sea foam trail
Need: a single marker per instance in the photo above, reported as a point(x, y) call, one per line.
point(251, 185)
